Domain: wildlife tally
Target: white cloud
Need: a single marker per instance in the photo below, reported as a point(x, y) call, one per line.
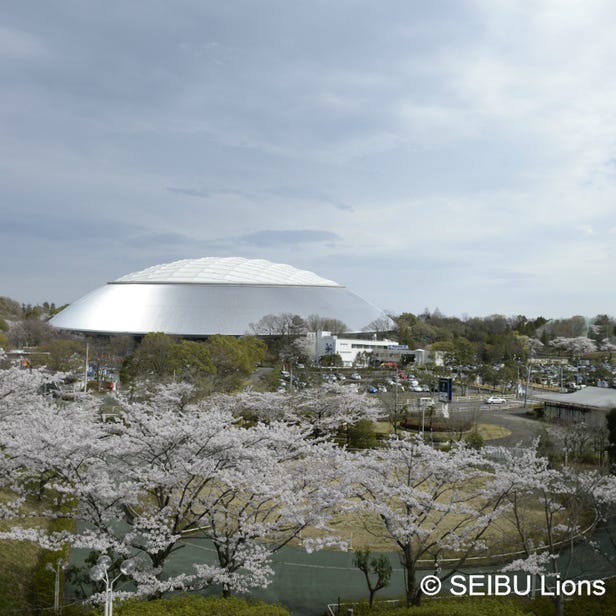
point(16, 45)
point(433, 152)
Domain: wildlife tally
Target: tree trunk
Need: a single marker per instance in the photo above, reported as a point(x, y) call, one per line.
point(559, 602)
point(413, 595)
point(371, 599)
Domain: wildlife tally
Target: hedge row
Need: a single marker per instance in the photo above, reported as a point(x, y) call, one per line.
point(196, 605)
point(485, 606)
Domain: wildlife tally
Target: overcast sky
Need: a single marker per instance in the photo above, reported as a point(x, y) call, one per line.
point(453, 155)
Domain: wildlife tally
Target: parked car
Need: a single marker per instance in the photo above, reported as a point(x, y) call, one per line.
point(371, 389)
point(495, 400)
point(356, 376)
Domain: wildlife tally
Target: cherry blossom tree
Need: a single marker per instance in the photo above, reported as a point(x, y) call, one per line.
point(608, 346)
point(21, 389)
point(166, 469)
point(321, 410)
point(250, 473)
point(429, 502)
point(569, 502)
point(574, 346)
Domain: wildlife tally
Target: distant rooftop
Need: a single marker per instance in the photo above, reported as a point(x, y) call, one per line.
point(597, 397)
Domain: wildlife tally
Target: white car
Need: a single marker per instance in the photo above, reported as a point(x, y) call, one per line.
point(495, 400)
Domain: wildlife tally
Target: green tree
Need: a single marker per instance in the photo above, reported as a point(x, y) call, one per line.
point(164, 358)
point(220, 363)
point(373, 565)
point(474, 440)
point(234, 358)
point(153, 356)
point(404, 328)
point(361, 434)
point(331, 360)
point(190, 361)
point(10, 309)
point(64, 355)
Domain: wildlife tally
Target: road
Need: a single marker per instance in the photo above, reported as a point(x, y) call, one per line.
point(524, 428)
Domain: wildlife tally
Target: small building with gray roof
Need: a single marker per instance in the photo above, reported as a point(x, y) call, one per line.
point(588, 405)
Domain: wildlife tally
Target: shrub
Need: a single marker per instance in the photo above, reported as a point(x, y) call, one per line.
point(474, 440)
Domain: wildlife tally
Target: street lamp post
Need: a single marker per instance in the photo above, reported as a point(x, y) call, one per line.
point(528, 374)
point(60, 564)
point(100, 572)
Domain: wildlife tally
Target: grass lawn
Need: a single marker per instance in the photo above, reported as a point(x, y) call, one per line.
point(488, 431)
point(17, 561)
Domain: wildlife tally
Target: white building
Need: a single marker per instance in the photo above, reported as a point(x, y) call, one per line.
point(353, 351)
point(347, 348)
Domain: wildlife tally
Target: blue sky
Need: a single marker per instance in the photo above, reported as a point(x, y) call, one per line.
point(452, 155)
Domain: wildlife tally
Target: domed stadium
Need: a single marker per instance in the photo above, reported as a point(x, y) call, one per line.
point(196, 298)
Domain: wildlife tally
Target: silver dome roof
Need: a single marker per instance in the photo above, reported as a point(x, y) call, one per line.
point(228, 270)
point(202, 297)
